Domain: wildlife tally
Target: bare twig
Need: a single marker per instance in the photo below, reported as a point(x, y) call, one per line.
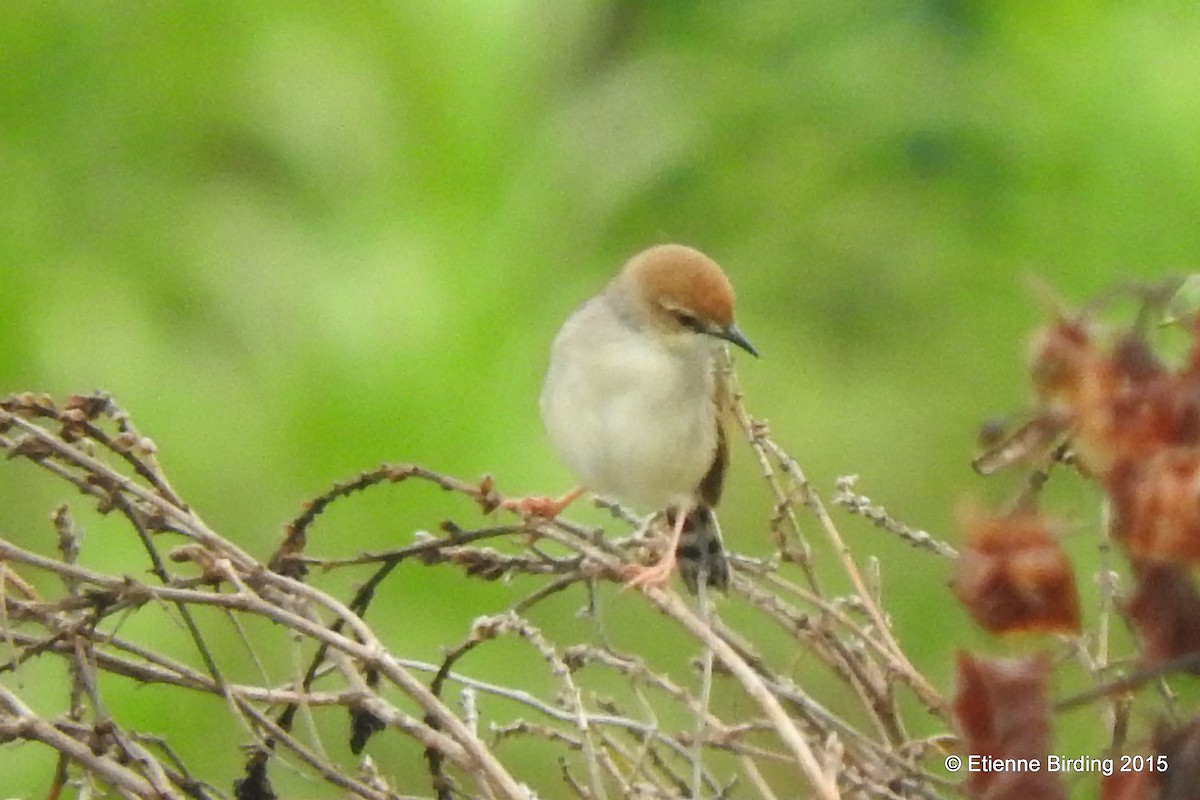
point(604, 744)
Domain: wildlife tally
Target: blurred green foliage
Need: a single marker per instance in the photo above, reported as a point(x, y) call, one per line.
point(299, 239)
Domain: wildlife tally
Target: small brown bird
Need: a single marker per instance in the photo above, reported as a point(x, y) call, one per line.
point(633, 401)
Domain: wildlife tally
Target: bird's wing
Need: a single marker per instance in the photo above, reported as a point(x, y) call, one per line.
point(714, 479)
point(711, 484)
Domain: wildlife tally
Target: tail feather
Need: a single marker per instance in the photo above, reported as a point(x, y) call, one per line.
point(701, 553)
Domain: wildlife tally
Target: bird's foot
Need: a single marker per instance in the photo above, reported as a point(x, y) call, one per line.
point(695, 546)
point(533, 506)
point(539, 506)
point(657, 576)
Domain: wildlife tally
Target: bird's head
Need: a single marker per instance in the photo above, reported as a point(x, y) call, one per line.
point(677, 290)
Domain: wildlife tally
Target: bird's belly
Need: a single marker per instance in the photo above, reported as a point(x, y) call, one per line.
point(651, 452)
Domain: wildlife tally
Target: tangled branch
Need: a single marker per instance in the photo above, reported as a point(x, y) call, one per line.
point(779, 733)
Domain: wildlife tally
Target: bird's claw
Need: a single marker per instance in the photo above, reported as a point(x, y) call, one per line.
point(544, 507)
point(539, 506)
point(657, 576)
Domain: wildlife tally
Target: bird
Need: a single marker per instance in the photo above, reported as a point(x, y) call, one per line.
point(633, 400)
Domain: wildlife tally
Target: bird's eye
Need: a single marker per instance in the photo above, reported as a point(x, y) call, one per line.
point(687, 320)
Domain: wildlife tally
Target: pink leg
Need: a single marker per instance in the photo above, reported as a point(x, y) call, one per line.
point(544, 507)
point(659, 575)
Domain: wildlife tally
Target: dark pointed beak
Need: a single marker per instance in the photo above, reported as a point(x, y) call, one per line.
point(734, 334)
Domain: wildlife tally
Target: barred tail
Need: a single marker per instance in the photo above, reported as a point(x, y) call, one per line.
point(701, 554)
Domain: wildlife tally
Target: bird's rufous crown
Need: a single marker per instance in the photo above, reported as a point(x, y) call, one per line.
point(675, 277)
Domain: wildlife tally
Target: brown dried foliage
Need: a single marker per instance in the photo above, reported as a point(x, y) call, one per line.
point(1112, 408)
point(1002, 711)
point(1012, 575)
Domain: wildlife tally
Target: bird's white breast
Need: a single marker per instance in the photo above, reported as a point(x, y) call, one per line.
point(632, 413)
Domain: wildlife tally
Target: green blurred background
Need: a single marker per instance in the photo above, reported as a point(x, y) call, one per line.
point(295, 240)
